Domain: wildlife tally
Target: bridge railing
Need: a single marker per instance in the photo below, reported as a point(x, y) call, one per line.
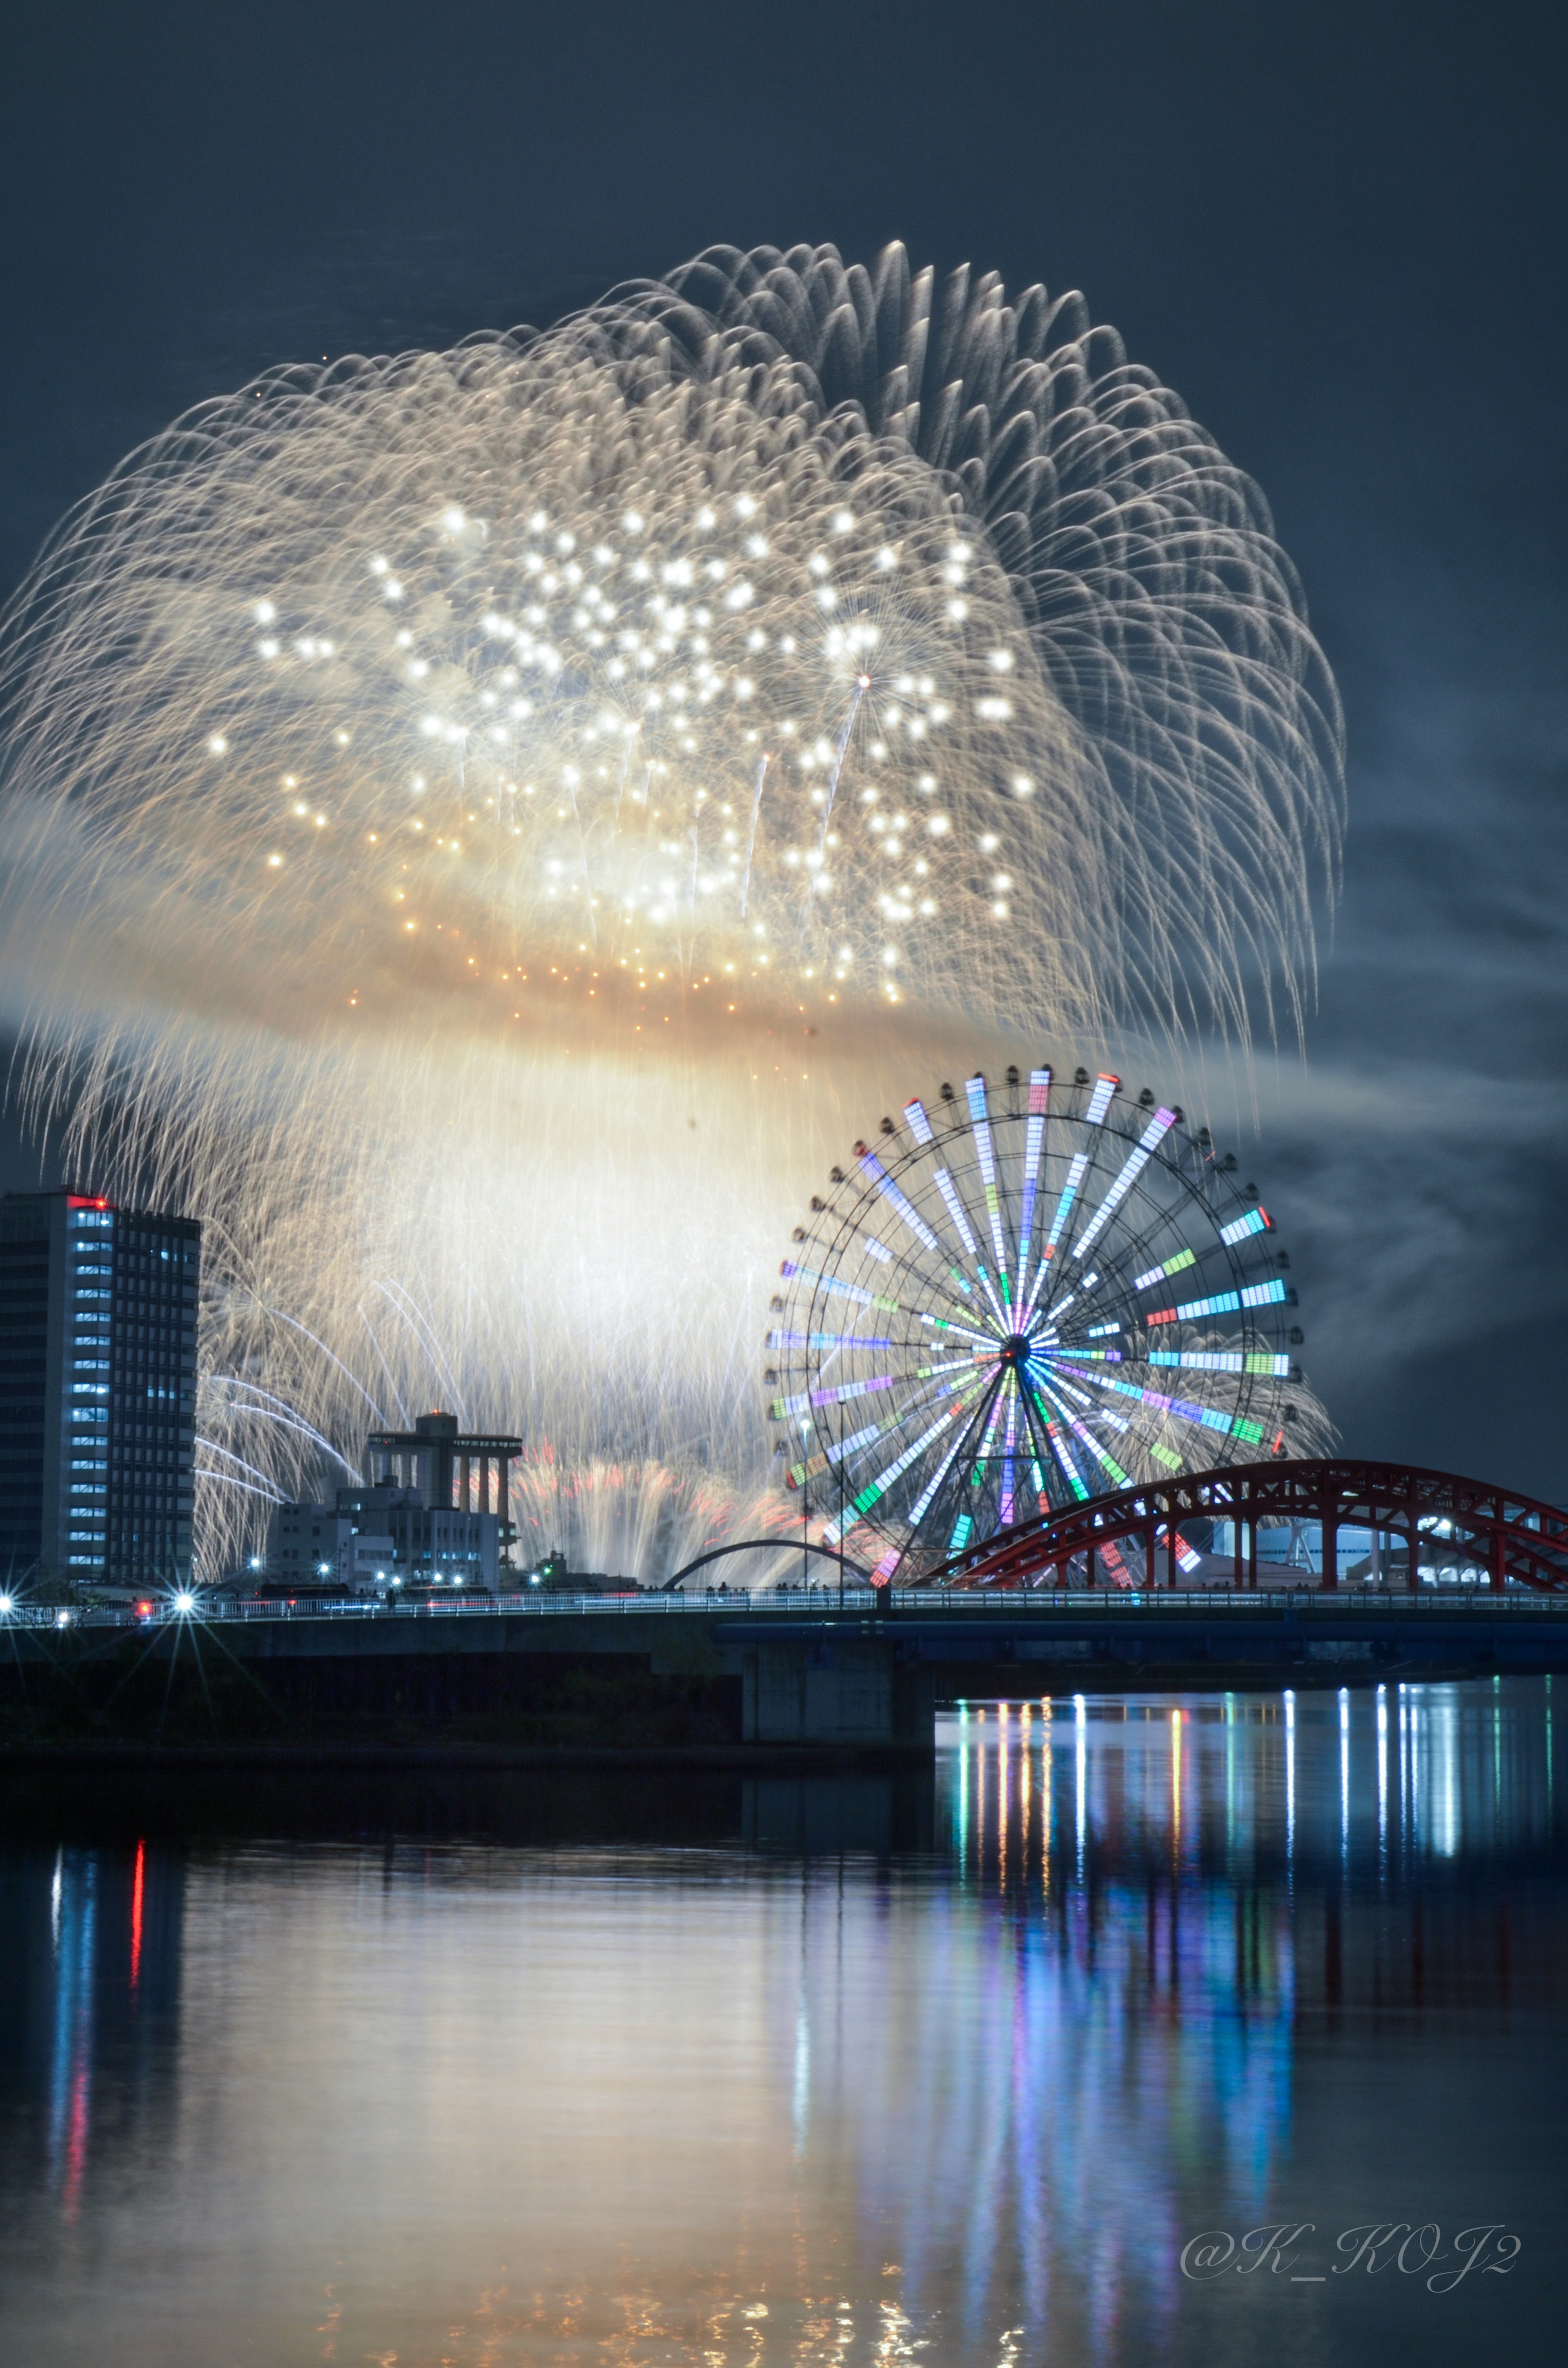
point(860, 1603)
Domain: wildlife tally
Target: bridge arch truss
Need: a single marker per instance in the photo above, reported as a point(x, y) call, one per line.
point(1131, 1538)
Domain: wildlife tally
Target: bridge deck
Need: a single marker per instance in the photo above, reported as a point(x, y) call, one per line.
point(901, 1615)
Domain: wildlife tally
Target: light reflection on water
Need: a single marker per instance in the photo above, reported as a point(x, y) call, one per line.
point(873, 2073)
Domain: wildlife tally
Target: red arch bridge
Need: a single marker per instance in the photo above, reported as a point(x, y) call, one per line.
point(1134, 1538)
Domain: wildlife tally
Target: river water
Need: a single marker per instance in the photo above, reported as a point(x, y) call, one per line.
point(1011, 2063)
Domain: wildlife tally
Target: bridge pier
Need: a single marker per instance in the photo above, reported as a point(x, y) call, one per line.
point(850, 1690)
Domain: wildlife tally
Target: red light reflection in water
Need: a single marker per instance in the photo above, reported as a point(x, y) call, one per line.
point(136, 1881)
point(76, 2137)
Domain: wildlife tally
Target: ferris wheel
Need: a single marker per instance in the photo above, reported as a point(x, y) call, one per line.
point(1013, 1304)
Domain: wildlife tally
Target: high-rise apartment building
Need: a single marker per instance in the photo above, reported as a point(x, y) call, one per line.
point(97, 1390)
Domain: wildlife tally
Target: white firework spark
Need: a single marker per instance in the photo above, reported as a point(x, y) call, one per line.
point(479, 824)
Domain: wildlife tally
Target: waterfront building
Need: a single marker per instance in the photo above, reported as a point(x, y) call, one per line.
point(371, 1540)
point(432, 1511)
point(311, 1548)
point(97, 1390)
point(448, 1467)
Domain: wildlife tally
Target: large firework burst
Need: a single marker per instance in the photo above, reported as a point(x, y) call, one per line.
point(474, 820)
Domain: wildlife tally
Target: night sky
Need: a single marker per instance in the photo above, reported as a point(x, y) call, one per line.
point(1336, 230)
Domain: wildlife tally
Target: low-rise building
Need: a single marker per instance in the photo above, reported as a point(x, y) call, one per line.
point(370, 1541)
point(307, 1546)
point(413, 1521)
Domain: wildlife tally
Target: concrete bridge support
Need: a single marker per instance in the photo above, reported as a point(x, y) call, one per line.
point(859, 1690)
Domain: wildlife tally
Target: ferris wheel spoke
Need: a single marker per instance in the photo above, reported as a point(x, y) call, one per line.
point(1040, 1443)
point(1004, 1323)
point(831, 1343)
point(945, 1186)
point(943, 1180)
point(1157, 1274)
point(1105, 1086)
point(1076, 1172)
point(963, 1460)
point(966, 1332)
point(992, 1411)
point(921, 1392)
point(1070, 1299)
point(938, 1492)
point(1221, 1303)
point(1257, 1220)
point(835, 1393)
point(1007, 1446)
point(918, 1123)
point(924, 1276)
point(811, 1467)
point(1061, 1447)
point(872, 1166)
point(928, 1494)
point(875, 1489)
point(1261, 1362)
point(980, 1126)
point(1132, 1167)
point(1034, 1139)
point(1102, 1456)
point(838, 1286)
point(1207, 1417)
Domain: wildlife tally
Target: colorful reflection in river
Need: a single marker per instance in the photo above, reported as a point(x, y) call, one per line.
point(769, 2098)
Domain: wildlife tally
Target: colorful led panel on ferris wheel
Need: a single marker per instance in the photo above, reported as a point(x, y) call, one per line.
point(1068, 1293)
